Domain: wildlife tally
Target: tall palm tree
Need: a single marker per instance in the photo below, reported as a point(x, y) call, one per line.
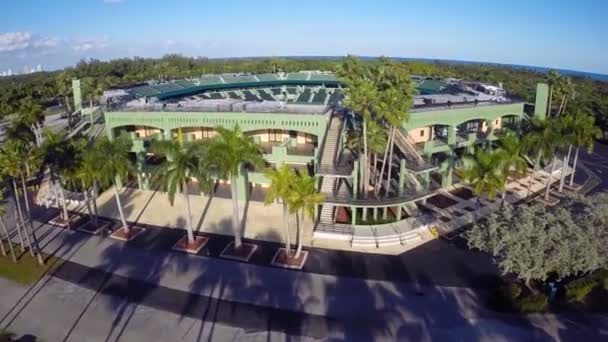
point(304, 198)
point(281, 186)
point(228, 152)
point(115, 165)
point(553, 80)
point(484, 170)
point(566, 133)
point(360, 96)
point(58, 156)
point(64, 85)
point(88, 174)
point(540, 141)
point(11, 158)
point(31, 115)
point(585, 132)
point(510, 152)
point(556, 139)
point(395, 100)
point(5, 230)
point(182, 162)
point(376, 143)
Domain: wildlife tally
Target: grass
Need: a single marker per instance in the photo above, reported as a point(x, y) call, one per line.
point(26, 270)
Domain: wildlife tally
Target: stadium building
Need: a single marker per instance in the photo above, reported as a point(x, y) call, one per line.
point(297, 118)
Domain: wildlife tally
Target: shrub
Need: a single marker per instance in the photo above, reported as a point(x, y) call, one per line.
point(577, 290)
point(531, 303)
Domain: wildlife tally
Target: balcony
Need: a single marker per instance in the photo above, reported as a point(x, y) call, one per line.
point(288, 151)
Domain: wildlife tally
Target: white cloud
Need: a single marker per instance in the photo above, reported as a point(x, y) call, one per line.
point(12, 41)
point(47, 42)
point(90, 44)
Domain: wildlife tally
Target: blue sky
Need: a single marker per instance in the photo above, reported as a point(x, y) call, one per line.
point(561, 34)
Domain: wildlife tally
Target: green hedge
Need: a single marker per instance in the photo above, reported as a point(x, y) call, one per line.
point(577, 290)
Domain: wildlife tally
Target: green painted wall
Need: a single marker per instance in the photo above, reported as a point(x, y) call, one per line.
point(542, 100)
point(308, 123)
point(77, 92)
point(456, 116)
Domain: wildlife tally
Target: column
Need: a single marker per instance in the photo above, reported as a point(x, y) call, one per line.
point(166, 134)
point(355, 178)
point(447, 176)
point(353, 215)
point(451, 135)
point(402, 172)
point(398, 215)
point(141, 161)
point(385, 213)
point(375, 213)
point(364, 214)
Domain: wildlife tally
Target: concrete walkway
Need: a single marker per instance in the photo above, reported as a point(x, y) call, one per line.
point(212, 215)
point(348, 308)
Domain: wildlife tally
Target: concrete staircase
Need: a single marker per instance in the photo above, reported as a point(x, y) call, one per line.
point(330, 146)
point(407, 148)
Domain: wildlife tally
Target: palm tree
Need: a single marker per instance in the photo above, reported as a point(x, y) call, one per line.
point(510, 155)
point(115, 165)
point(557, 136)
point(395, 100)
point(553, 79)
point(305, 198)
point(566, 133)
point(5, 230)
point(182, 162)
point(88, 174)
point(585, 132)
point(281, 185)
point(58, 156)
point(31, 115)
point(376, 143)
point(12, 155)
point(484, 170)
point(228, 152)
point(540, 141)
point(360, 95)
point(64, 85)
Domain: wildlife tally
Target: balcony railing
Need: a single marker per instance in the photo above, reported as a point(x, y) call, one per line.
point(393, 199)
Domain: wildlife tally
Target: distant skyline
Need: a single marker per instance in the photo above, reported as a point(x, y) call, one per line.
point(555, 34)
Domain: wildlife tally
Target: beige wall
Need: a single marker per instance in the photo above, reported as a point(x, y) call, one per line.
point(197, 132)
point(143, 131)
point(420, 134)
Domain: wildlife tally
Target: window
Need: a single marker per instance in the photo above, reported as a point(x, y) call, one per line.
point(421, 132)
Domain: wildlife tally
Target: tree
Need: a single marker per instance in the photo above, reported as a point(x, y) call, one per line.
point(360, 95)
point(541, 140)
point(533, 241)
point(58, 156)
point(553, 79)
point(115, 166)
point(510, 155)
point(228, 152)
point(12, 155)
point(304, 198)
point(89, 176)
point(281, 187)
point(484, 170)
point(182, 162)
point(9, 241)
point(32, 116)
point(585, 132)
point(396, 97)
